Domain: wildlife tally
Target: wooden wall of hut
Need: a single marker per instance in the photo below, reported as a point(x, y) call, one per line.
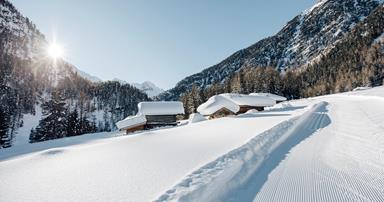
point(158, 119)
point(244, 109)
point(136, 128)
point(223, 112)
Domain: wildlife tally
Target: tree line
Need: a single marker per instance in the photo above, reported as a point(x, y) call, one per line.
point(357, 60)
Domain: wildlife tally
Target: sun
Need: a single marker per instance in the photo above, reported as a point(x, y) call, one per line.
point(55, 51)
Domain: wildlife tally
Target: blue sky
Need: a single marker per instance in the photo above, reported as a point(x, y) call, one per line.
point(162, 41)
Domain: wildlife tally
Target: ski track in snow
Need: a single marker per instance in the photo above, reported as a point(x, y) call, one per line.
point(332, 153)
point(340, 163)
point(226, 179)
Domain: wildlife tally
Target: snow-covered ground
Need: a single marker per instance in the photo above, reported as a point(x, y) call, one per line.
point(30, 121)
point(328, 148)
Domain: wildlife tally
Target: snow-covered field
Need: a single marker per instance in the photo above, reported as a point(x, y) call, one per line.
point(328, 148)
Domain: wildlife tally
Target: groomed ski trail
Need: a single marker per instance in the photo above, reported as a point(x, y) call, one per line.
point(226, 179)
point(343, 162)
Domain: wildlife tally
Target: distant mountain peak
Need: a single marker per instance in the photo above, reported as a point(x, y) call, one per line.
point(149, 88)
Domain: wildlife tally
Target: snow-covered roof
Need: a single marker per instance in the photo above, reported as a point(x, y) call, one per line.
point(216, 103)
point(161, 108)
point(249, 100)
point(270, 95)
point(131, 121)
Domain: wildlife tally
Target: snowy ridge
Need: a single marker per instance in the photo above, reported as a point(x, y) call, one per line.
point(318, 4)
point(86, 75)
point(216, 180)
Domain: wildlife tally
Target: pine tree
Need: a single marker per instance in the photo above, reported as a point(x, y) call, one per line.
point(4, 127)
point(73, 125)
point(54, 123)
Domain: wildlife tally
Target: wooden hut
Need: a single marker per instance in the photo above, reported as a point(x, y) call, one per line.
point(132, 123)
point(248, 102)
point(218, 106)
point(231, 104)
point(160, 114)
point(151, 115)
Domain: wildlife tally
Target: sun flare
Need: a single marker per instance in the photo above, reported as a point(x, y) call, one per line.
point(55, 51)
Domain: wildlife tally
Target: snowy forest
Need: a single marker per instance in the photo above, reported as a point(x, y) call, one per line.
point(71, 107)
point(65, 102)
point(358, 60)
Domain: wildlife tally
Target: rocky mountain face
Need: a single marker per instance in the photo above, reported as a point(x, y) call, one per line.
point(301, 42)
point(58, 99)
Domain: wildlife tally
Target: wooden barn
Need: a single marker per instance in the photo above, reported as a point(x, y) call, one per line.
point(248, 102)
point(218, 106)
point(161, 113)
point(151, 115)
point(232, 104)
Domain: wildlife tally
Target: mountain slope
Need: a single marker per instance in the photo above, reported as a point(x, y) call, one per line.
point(300, 42)
point(31, 82)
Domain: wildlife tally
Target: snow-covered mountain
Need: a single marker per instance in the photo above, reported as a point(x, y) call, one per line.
point(146, 87)
point(32, 83)
point(303, 40)
point(149, 88)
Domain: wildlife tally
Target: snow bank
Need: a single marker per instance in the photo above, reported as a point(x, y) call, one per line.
point(277, 98)
point(280, 106)
point(161, 108)
point(131, 121)
point(196, 117)
point(252, 111)
point(217, 180)
point(216, 103)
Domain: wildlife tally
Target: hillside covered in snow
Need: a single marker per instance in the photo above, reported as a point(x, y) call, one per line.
point(304, 41)
point(42, 98)
point(317, 149)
